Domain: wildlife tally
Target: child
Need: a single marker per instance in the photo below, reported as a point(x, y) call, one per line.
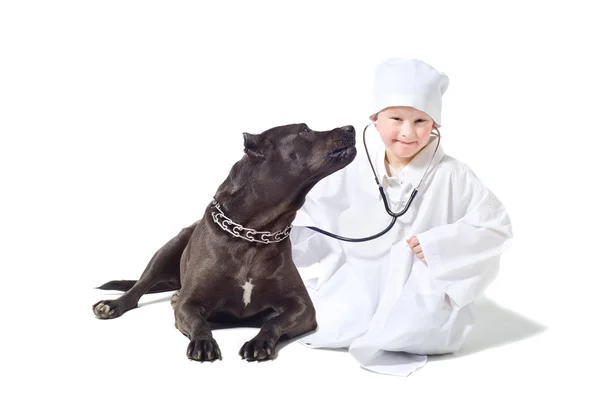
point(393, 300)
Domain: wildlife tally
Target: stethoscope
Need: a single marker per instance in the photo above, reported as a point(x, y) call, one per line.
point(394, 215)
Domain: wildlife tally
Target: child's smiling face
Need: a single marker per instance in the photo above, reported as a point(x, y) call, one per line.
point(404, 131)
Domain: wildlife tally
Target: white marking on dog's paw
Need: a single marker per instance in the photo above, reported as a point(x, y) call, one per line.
point(103, 310)
point(247, 292)
point(174, 299)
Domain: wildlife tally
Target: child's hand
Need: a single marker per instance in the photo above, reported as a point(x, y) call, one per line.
point(414, 244)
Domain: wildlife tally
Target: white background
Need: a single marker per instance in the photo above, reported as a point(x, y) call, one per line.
point(119, 119)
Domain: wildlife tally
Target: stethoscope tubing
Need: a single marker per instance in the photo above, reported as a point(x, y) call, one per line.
point(394, 215)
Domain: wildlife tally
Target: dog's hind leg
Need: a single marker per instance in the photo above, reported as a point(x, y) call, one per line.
point(162, 273)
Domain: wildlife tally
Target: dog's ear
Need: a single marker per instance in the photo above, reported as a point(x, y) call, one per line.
point(252, 146)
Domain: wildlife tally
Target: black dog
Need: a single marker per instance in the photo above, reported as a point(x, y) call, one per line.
point(235, 265)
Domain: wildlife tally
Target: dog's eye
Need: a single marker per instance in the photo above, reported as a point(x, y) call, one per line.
point(305, 133)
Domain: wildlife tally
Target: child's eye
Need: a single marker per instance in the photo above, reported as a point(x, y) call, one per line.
point(396, 118)
point(420, 120)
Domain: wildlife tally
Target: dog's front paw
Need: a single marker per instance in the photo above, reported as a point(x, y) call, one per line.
point(204, 350)
point(257, 350)
point(107, 309)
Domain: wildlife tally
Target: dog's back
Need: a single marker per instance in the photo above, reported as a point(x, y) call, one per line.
point(235, 263)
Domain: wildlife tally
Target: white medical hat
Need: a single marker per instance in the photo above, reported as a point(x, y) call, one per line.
point(409, 82)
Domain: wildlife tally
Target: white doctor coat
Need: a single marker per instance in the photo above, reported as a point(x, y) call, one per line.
point(377, 298)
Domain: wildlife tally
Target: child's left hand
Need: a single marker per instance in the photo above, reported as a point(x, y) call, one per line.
point(414, 244)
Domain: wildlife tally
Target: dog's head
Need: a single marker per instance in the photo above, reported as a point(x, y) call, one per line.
point(295, 158)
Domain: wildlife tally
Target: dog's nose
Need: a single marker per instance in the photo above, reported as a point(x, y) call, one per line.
point(347, 128)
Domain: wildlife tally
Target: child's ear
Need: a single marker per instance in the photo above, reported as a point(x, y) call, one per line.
point(374, 119)
point(252, 146)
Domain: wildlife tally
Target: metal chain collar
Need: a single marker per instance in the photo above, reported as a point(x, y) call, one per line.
point(238, 230)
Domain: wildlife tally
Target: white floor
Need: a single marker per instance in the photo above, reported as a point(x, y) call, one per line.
point(141, 353)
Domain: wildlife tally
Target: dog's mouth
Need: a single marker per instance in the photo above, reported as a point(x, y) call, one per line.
point(341, 152)
point(345, 147)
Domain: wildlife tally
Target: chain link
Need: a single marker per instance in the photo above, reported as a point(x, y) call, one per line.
point(248, 234)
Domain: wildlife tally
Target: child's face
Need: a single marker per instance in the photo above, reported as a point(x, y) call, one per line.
point(404, 131)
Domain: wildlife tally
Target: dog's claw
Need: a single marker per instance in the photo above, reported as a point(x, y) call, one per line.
point(204, 350)
point(106, 309)
point(257, 350)
point(174, 299)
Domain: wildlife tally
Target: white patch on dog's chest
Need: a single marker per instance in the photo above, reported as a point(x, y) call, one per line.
point(247, 292)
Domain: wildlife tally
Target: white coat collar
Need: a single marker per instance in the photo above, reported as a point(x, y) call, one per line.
point(414, 170)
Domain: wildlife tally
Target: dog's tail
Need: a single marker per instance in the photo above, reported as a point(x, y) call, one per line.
point(125, 285)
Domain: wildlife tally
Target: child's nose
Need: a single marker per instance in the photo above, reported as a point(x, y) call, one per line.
point(407, 130)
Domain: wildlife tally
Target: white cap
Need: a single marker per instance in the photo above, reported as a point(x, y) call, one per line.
point(409, 82)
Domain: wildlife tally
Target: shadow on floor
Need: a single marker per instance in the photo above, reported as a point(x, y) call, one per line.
point(494, 326)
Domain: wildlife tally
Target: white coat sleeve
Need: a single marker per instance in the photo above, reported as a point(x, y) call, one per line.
point(464, 257)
